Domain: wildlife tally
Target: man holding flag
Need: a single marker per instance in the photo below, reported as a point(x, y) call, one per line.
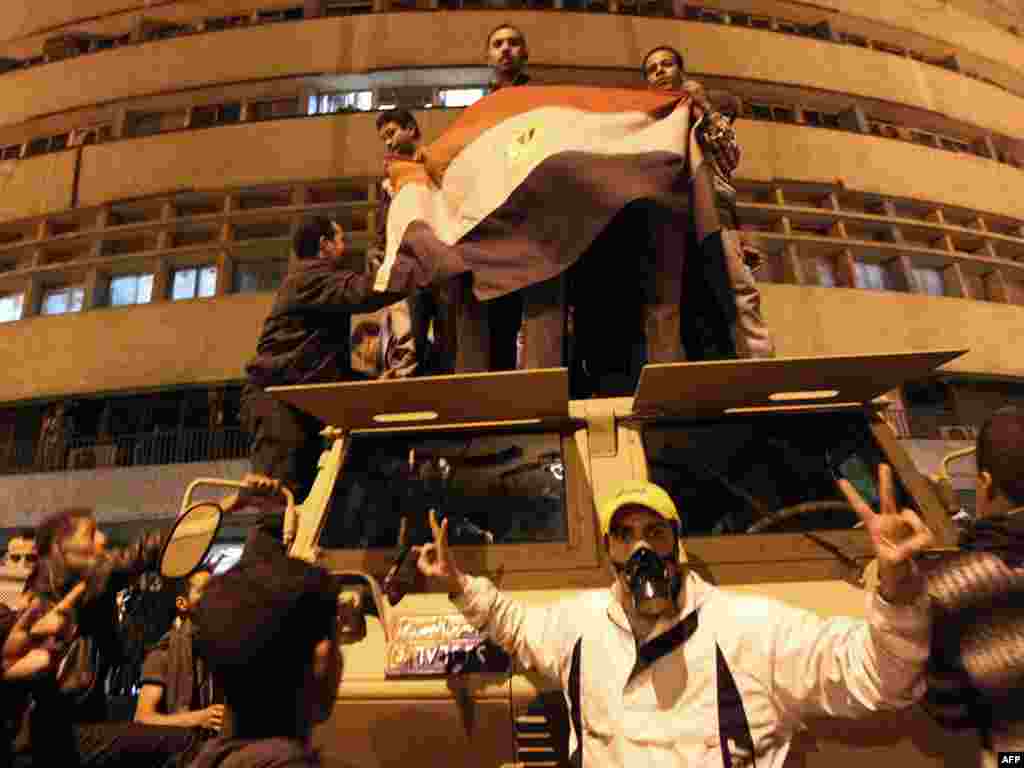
point(529, 180)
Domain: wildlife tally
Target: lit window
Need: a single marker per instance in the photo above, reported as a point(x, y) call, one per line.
point(260, 275)
point(461, 97)
point(60, 301)
point(131, 289)
point(874, 277)
point(329, 103)
point(194, 282)
point(11, 306)
point(929, 280)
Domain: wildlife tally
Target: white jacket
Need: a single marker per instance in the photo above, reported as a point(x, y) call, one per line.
point(683, 710)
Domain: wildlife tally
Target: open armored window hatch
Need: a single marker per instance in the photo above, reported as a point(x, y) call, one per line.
point(506, 397)
point(710, 390)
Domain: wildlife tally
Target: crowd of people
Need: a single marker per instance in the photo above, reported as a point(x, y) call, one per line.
point(661, 668)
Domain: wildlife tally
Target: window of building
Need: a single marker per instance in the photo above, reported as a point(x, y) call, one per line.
point(225, 22)
point(952, 145)
point(61, 301)
point(277, 108)
point(760, 22)
point(787, 27)
point(216, 114)
point(861, 42)
point(257, 276)
point(830, 120)
point(347, 7)
point(825, 267)
point(759, 111)
point(46, 144)
point(194, 282)
point(510, 485)
point(170, 31)
point(920, 137)
point(812, 117)
point(929, 281)
point(11, 306)
point(783, 115)
point(282, 14)
point(131, 289)
point(873, 277)
point(740, 19)
point(345, 101)
point(712, 16)
point(13, 152)
point(460, 97)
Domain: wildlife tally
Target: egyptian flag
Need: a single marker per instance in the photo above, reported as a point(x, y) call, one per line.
point(528, 179)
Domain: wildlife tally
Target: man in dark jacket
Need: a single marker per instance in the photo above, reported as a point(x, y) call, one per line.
point(305, 340)
point(68, 722)
point(269, 630)
point(976, 673)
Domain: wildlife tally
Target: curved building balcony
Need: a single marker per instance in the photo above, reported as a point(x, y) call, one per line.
point(377, 42)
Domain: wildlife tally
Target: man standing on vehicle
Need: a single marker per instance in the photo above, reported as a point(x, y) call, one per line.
point(305, 340)
point(665, 669)
point(664, 70)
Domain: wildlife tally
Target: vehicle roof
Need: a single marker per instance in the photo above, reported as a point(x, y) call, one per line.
point(700, 390)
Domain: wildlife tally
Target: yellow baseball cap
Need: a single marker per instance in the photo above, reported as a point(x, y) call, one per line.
point(646, 495)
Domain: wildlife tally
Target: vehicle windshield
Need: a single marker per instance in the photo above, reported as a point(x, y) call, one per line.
point(495, 488)
point(772, 473)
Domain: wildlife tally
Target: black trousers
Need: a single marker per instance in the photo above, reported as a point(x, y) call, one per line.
point(285, 442)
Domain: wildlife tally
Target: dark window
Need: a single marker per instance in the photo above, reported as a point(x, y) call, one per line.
point(788, 27)
point(231, 113)
point(269, 110)
point(783, 468)
point(919, 137)
point(38, 146)
point(830, 120)
point(59, 142)
point(225, 22)
point(952, 145)
point(203, 117)
point(740, 19)
point(760, 112)
point(12, 152)
point(103, 44)
point(783, 115)
point(285, 14)
point(857, 40)
point(510, 485)
point(760, 22)
point(812, 117)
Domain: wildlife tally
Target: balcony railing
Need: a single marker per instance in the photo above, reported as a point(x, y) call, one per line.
point(150, 448)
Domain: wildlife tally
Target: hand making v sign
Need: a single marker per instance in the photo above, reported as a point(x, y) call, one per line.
point(897, 535)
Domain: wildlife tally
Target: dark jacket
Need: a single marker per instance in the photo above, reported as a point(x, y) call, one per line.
point(172, 666)
point(305, 339)
point(976, 602)
point(78, 687)
point(255, 753)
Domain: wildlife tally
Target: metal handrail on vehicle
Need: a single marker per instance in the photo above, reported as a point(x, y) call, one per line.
point(291, 519)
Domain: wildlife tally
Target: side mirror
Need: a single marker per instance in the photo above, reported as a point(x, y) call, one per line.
point(352, 606)
point(190, 540)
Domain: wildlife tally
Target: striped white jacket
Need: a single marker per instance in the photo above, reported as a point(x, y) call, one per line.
point(746, 674)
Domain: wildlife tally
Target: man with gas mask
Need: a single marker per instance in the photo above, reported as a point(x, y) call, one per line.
point(665, 669)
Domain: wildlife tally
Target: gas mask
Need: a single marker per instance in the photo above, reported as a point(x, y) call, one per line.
point(653, 582)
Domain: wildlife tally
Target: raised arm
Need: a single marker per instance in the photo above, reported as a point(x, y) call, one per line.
point(540, 639)
point(844, 667)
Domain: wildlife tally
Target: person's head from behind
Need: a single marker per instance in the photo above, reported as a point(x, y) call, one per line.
point(663, 69)
point(1000, 456)
point(319, 238)
point(641, 530)
point(71, 540)
point(506, 52)
point(190, 592)
point(268, 628)
point(21, 549)
point(399, 132)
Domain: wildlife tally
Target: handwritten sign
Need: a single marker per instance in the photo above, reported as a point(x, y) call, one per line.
point(442, 645)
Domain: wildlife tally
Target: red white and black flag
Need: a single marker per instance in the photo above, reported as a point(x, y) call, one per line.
point(525, 181)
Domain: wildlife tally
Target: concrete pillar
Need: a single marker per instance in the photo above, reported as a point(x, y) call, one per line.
point(955, 284)
point(33, 296)
point(225, 273)
point(97, 284)
point(846, 269)
point(996, 286)
point(792, 267)
point(161, 279)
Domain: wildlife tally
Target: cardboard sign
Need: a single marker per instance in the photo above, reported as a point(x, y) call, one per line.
point(442, 645)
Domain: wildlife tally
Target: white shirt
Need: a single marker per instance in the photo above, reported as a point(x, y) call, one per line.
point(786, 664)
